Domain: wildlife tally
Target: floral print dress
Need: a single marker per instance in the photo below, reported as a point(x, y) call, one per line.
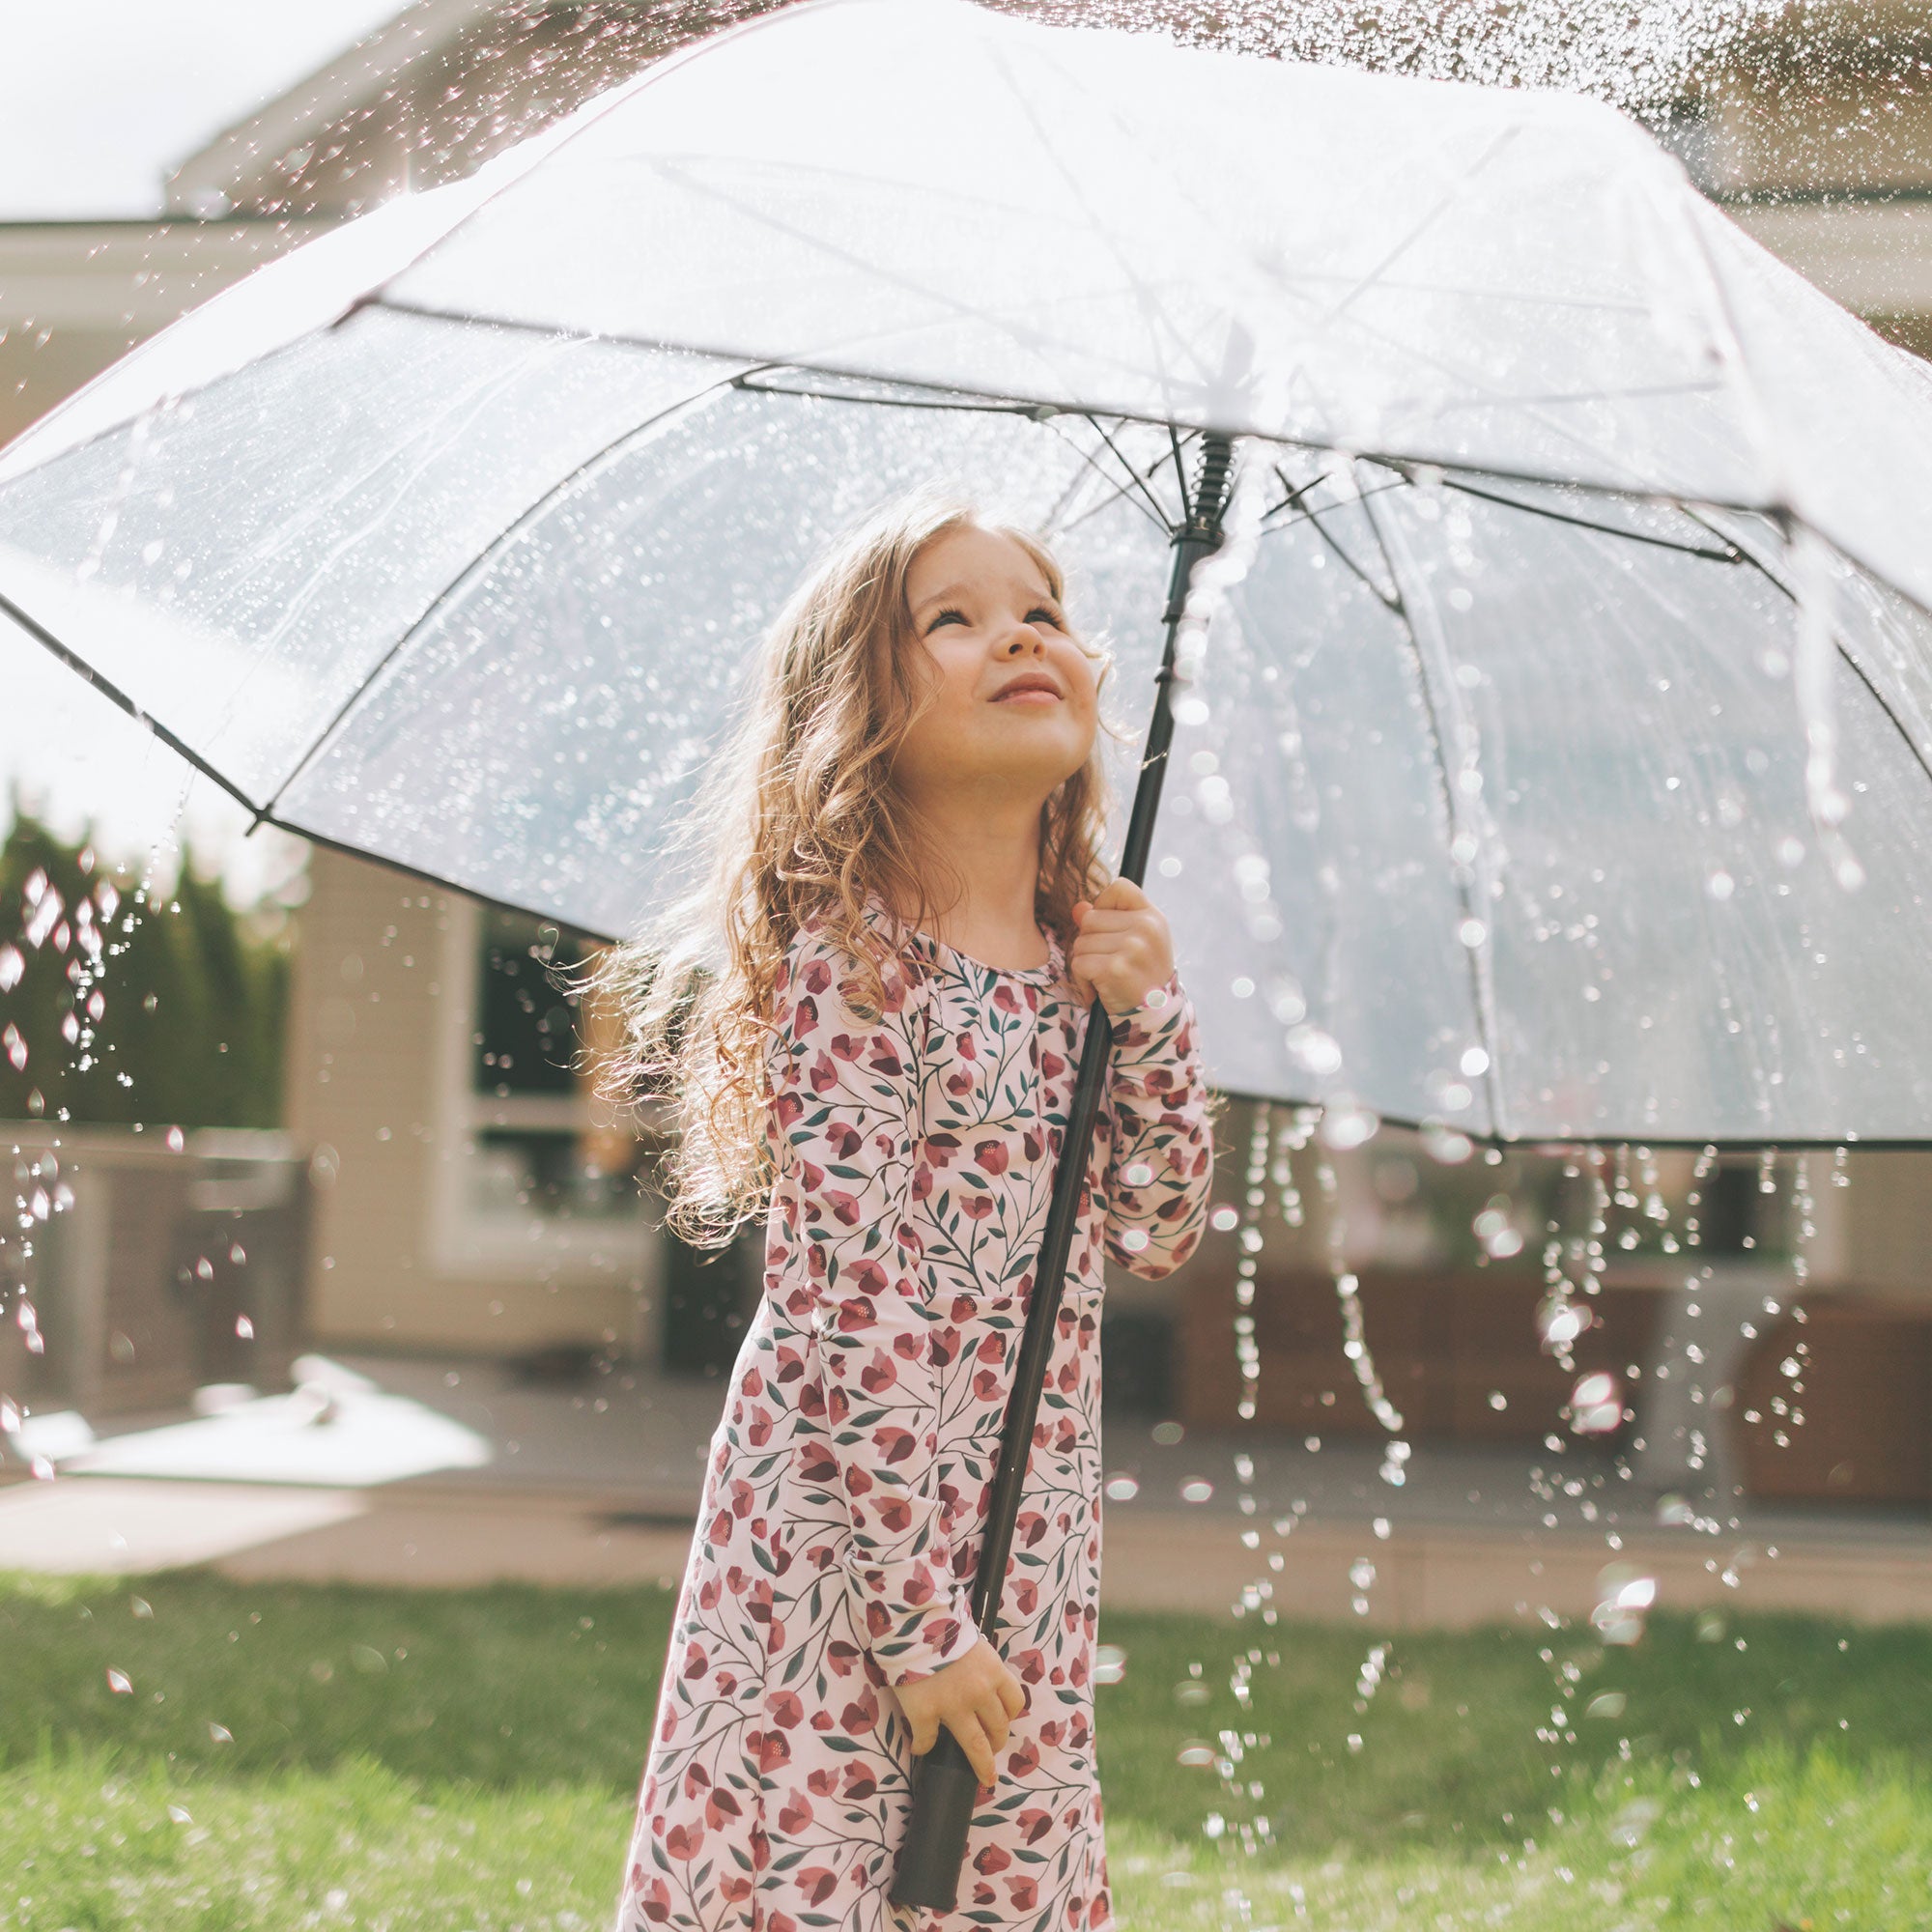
point(846, 1491)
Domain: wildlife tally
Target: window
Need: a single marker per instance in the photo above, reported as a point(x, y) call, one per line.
point(538, 1146)
point(540, 1179)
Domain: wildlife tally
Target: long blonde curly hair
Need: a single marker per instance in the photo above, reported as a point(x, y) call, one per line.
point(798, 816)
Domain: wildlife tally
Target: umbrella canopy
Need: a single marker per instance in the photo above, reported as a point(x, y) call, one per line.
point(447, 537)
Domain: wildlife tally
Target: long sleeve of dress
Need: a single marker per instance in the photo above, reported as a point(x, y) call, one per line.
point(846, 1120)
point(1161, 1170)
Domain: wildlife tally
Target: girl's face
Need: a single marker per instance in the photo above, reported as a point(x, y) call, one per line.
point(1014, 705)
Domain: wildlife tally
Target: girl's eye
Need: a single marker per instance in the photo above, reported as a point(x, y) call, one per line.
point(1040, 611)
point(959, 616)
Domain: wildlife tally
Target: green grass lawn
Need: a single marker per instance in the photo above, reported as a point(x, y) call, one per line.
point(292, 1757)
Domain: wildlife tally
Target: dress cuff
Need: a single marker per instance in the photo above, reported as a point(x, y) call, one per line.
point(943, 1635)
point(1144, 1031)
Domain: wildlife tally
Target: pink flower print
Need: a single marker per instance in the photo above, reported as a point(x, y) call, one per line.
point(684, 1841)
point(992, 1157)
point(895, 1247)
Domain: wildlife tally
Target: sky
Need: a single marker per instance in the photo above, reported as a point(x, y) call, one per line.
point(99, 103)
point(81, 764)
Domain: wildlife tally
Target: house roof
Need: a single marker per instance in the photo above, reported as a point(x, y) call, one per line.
point(100, 101)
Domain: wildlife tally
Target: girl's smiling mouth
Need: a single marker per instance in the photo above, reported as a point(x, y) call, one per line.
point(1031, 687)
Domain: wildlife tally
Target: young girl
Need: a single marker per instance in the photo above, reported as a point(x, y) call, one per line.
point(912, 920)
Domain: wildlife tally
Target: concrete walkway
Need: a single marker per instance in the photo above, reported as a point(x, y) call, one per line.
point(444, 1475)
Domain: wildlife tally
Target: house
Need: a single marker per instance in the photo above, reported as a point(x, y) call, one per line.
point(471, 1193)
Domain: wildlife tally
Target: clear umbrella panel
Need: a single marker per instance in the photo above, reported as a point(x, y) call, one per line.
point(1552, 773)
point(1488, 801)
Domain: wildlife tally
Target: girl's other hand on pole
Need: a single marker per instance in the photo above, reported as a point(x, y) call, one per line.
point(1121, 950)
point(976, 1699)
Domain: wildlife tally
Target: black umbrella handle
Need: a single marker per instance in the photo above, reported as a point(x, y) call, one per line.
point(943, 1785)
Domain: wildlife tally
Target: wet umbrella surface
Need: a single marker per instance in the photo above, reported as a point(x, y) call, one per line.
point(1551, 764)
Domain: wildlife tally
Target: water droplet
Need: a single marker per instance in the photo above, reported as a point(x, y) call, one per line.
point(116, 1682)
point(1498, 1399)
point(1348, 1123)
point(1122, 1489)
point(1224, 1217)
point(1445, 1145)
point(1721, 885)
point(1597, 1405)
point(1317, 1051)
point(1472, 932)
point(1196, 1490)
point(1606, 1704)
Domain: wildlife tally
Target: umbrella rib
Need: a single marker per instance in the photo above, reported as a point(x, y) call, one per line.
point(1428, 220)
point(1640, 1136)
point(588, 466)
point(1388, 459)
point(1728, 554)
point(1919, 756)
point(113, 693)
point(1139, 482)
point(1314, 520)
point(1479, 1003)
point(1120, 490)
point(1042, 413)
point(934, 397)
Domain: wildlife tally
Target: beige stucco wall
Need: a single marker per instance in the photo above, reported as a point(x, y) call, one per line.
point(377, 991)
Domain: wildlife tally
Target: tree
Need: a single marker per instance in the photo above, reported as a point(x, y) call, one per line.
point(115, 1010)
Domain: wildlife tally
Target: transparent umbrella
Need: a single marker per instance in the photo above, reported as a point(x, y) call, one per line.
point(1509, 793)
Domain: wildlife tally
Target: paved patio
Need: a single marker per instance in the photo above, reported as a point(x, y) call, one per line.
point(447, 1472)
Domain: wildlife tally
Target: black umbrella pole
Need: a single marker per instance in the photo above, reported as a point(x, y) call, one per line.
point(944, 1788)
